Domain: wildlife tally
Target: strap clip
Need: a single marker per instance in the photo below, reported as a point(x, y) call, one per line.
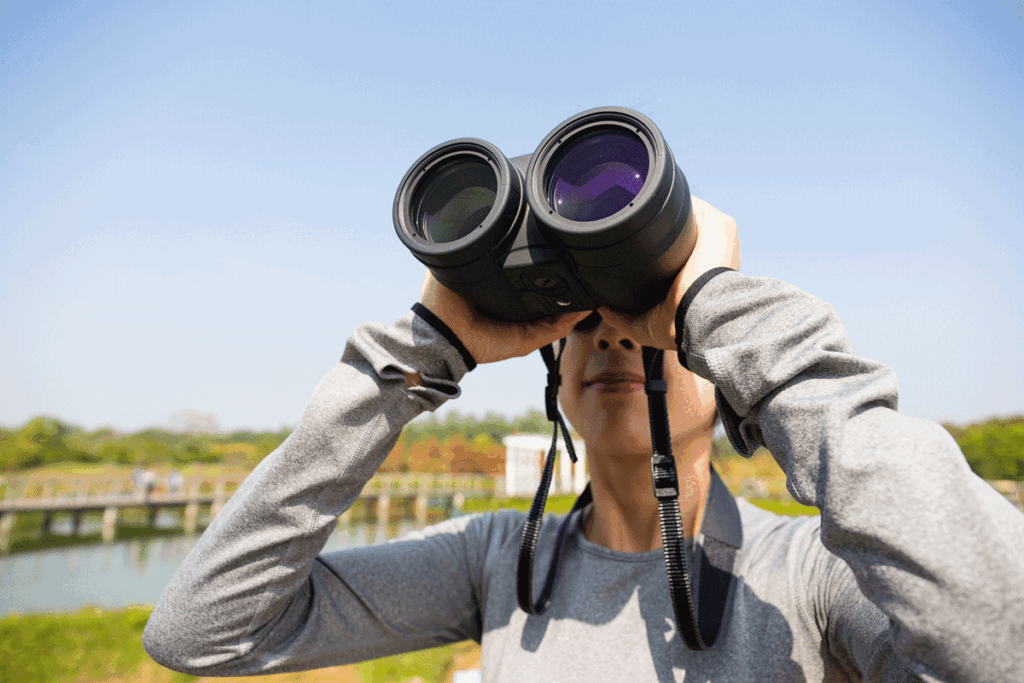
point(663, 474)
point(655, 386)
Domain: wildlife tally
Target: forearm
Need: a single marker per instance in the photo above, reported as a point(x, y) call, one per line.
point(257, 554)
point(931, 544)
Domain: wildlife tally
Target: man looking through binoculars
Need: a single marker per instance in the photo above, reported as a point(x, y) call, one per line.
point(914, 570)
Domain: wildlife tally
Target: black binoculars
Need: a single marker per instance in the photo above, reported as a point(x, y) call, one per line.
point(598, 215)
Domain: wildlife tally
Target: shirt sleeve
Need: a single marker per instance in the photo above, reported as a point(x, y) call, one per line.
point(936, 548)
point(255, 596)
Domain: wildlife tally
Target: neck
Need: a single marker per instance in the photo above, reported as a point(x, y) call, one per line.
point(625, 512)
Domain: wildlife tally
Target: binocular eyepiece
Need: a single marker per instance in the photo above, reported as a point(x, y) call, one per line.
point(598, 215)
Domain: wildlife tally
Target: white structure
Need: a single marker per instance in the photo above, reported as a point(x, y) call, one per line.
point(524, 462)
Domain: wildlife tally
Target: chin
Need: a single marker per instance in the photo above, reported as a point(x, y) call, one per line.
point(627, 435)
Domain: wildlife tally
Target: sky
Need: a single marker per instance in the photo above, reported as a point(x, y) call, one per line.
point(195, 198)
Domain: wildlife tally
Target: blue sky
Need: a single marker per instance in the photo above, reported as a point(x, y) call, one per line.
point(195, 198)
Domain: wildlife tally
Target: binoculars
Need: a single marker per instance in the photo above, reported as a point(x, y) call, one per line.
point(598, 215)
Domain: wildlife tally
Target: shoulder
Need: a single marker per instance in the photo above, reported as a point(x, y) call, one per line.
point(783, 549)
point(763, 528)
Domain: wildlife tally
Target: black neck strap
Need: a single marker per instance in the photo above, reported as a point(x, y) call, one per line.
point(528, 543)
point(702, 607)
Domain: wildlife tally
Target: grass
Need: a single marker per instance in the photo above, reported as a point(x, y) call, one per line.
point(87, 645)
point(786, 507)
point(101, 646)
point(558, 504)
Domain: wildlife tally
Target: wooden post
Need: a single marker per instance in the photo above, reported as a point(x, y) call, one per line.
point(383, 507)
point(192, 509)
point(6, 528)
point(76, 522)
point(421, 508)
point(109, 524)
point(47, 522)
point(151, 515)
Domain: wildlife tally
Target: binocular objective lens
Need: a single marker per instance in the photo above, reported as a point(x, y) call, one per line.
point(454, 199)
point(597, 174)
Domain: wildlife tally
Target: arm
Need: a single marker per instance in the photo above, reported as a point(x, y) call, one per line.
point(932, 545)
point(253, 596)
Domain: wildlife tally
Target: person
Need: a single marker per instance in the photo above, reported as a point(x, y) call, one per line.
point(913, 571)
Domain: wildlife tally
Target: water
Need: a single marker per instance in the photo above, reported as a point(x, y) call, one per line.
point(124, 573)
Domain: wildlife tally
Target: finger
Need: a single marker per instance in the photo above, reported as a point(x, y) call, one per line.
point(622, 322)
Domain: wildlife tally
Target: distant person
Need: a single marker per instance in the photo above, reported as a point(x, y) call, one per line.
point(175, 481)
point(913, 571)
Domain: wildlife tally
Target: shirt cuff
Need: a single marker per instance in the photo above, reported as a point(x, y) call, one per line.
point(428, 316)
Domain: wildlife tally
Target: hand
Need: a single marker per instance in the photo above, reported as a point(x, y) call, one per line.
point(718, 244)
point(490, 340)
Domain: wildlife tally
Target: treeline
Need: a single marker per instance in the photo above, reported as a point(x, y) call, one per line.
point(47, 441)
point(994, 448)
point(458, 443)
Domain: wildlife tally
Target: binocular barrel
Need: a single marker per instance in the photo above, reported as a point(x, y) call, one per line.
point(598, 215)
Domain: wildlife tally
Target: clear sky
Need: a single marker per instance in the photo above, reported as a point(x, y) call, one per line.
point(195, 197)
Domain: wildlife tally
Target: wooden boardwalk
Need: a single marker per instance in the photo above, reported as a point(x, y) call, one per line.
point(111, 495)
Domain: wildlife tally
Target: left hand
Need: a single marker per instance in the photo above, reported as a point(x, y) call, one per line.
point(718, 244)
point(490, 340)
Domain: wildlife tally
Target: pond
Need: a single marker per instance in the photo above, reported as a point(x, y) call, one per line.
point(125, 572)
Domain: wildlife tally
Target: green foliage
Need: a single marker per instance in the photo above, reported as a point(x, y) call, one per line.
point(46, 441)
point(995, 448)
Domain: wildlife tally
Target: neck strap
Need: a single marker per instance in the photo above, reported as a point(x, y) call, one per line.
point(702, 606)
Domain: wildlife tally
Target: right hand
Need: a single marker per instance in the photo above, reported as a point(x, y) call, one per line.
point(491, 340)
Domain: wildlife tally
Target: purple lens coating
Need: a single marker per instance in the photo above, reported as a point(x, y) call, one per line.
point(454, 199)
point(597, 174)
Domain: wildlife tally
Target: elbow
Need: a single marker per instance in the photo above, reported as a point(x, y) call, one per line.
point(167, 643)
point(161, 645)
point(171, 642)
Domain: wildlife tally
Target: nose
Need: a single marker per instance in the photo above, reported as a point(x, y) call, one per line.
point(607, 337)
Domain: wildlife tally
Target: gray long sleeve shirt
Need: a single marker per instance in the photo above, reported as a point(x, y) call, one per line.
point(914, 570)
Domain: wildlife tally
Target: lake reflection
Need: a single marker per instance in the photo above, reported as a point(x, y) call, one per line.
point(125, 572)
